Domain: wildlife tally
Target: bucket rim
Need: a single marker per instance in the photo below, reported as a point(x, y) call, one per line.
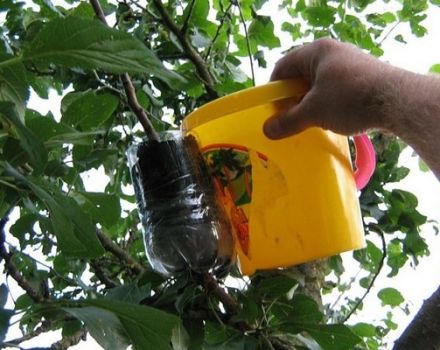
point(244, 99)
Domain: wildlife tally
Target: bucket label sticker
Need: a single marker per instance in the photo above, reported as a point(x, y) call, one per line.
point(231, 168)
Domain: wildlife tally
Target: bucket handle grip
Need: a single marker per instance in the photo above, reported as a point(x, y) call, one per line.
point(365, 161)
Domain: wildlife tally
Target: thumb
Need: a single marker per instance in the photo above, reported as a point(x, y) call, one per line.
point(295, 120)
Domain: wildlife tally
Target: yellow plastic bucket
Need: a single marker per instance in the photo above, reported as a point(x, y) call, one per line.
point(289, 201)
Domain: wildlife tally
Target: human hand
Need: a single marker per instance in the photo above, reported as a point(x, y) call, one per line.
point(345, 90)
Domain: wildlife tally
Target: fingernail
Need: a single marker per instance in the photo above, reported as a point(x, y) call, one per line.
point(271, 128)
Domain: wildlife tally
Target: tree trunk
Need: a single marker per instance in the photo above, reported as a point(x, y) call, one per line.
point(424, 330)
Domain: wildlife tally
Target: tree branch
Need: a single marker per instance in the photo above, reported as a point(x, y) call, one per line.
point(194, 56)
point(67, 342)
point(424, 330)
point(130, 91)
point(232, 307)
point(13, 271)
point(210, 284)
point(120, 253)
point(101, 275)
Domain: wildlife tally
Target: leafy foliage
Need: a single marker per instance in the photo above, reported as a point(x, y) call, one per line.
point(93, 276)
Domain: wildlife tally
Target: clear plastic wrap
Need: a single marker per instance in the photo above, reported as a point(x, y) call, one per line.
point(184, 225)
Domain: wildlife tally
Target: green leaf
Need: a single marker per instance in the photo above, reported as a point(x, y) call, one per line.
point(70, 327)
point(84, 9)
point(65, 265)
point(23, 225)
point(130, 293)
point(335, 263)
point(28, 140)
point(364, 329)
point(73, 228)
point(219, 337)
point(293, 29)
point(417, 29)
point(304, 310)
point(104, 326)
point(390, 296)
point(5, 315)
point(276, 286)
point(301, 309)
point(45, 127)
point(24, 301)
point(396, 257)
point(250, 309)
point(422, 165)
point(398, 174)
point(332, 336)
point(261, 31)
point(435, 68)
point(216, 333)
point(320, 16)
point(180, 338)
point(4, 291)
point(147, 327)
point(400, 39)
point(381, 19)
point(86, 43)
point(103, 208)
point(369, 257)
point(14, 87)
point(90, 110)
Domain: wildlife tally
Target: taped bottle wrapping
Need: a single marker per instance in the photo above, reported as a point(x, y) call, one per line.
point(184, 226)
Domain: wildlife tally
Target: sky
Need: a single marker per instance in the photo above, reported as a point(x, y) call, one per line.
point(418, 55)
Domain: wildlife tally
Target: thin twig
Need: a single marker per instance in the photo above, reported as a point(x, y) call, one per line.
point(188, 17)
point(13, 271)
point(130, 91)
point(338, 299)
point(389, 32)
point(378, 230)
point(120, 253)
point(104, 84)
point(217, 33)
point(137, 108)
point(45, 327)
point(251, 61)
point(193, 54)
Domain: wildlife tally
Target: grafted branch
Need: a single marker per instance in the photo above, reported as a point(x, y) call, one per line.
point(130, 91)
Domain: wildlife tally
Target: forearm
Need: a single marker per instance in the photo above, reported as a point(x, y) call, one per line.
point(412, 111)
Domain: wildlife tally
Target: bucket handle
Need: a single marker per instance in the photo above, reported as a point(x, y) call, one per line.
point(365, 160)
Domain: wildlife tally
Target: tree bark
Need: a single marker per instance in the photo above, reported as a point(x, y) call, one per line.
point(424, 330)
